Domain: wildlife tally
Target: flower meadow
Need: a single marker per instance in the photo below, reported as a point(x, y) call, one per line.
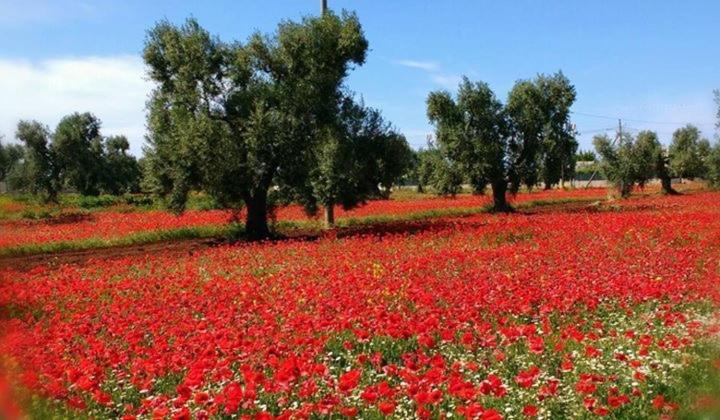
point(108, 225)
point(560, 313)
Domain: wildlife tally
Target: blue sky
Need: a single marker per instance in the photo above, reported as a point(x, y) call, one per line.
point(654, 63)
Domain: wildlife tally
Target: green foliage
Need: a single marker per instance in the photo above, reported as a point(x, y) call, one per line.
point(526, 109)
point(425, 166)
point(713, 166)
point(648, 157)
point(235, 120)
point(10, 156)
point(437, 172)
point(633, 161)
point(713, 160)
point(392, 156)
point(74, 156)
point(41, 172)
point(529, 139)
point(121, 171)
point(359, 158)
point(616, 161)
point(19, 178)
point(716, 93)
point(543, 144)
point(472, 135)
point(585, 156)
point(77, 152)
point(559, 145)
point(687, 153)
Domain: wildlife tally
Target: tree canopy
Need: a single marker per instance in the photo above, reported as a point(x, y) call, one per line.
point(585, 156)
point(528, 139)
point(41, 168)
point(10, 156)
point(687, 152)
point(239, 120)
point(75, 156)
point(472, 133)
point(361, 158)
point(633, 161)
point(543, 146)
point(78, 152)
point(652, 161)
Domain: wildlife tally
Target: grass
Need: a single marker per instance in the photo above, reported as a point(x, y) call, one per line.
point(231, 231)
point(26, 206)
point(140, 238)
point(698, 381)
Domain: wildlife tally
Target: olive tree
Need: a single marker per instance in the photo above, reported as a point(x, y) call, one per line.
point(361, 158)
point(687, 152)
point(40, 168)
point(633, 161)
point(617, 161)
point(526, 107)
point(78, 152)
point(10, 156)
point(713, 166)
point(121, 171)
point(472, 133)
point(652, 161)
point(558, 146)
point(713, 160)
point(236, 120)
point(716, 93)
point(543, 144)
point(585, 156)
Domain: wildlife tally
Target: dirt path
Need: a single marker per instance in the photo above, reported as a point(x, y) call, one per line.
point(179, 247)
point(190, 246)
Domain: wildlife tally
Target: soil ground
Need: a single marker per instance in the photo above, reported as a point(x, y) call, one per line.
point(190, 246)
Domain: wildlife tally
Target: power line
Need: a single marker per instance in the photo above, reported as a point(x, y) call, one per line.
point(606, 117)
point(595, 130)
point(618, 137)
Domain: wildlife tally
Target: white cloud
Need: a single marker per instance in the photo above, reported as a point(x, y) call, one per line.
point(113, 88)
point(422, 65)
point(434, 71)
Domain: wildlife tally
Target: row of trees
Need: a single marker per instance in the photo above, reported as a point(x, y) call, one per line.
point(272, 121)
point(74, 156)
point(266, 121)
point(11, 155)
point(629, 160)
point(481, 142)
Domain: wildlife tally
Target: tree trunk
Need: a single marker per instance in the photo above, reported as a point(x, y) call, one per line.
point(666, 183)
point(499, 188)
point(52, 196)
point(329, 216)
point(625, 189)
point(256, 225)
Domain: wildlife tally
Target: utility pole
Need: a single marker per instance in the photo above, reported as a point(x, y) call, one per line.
point(618, 138)
point(323, 7)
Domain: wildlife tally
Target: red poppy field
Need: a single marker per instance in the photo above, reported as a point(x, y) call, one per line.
point(111, 225)
point(561, 312)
